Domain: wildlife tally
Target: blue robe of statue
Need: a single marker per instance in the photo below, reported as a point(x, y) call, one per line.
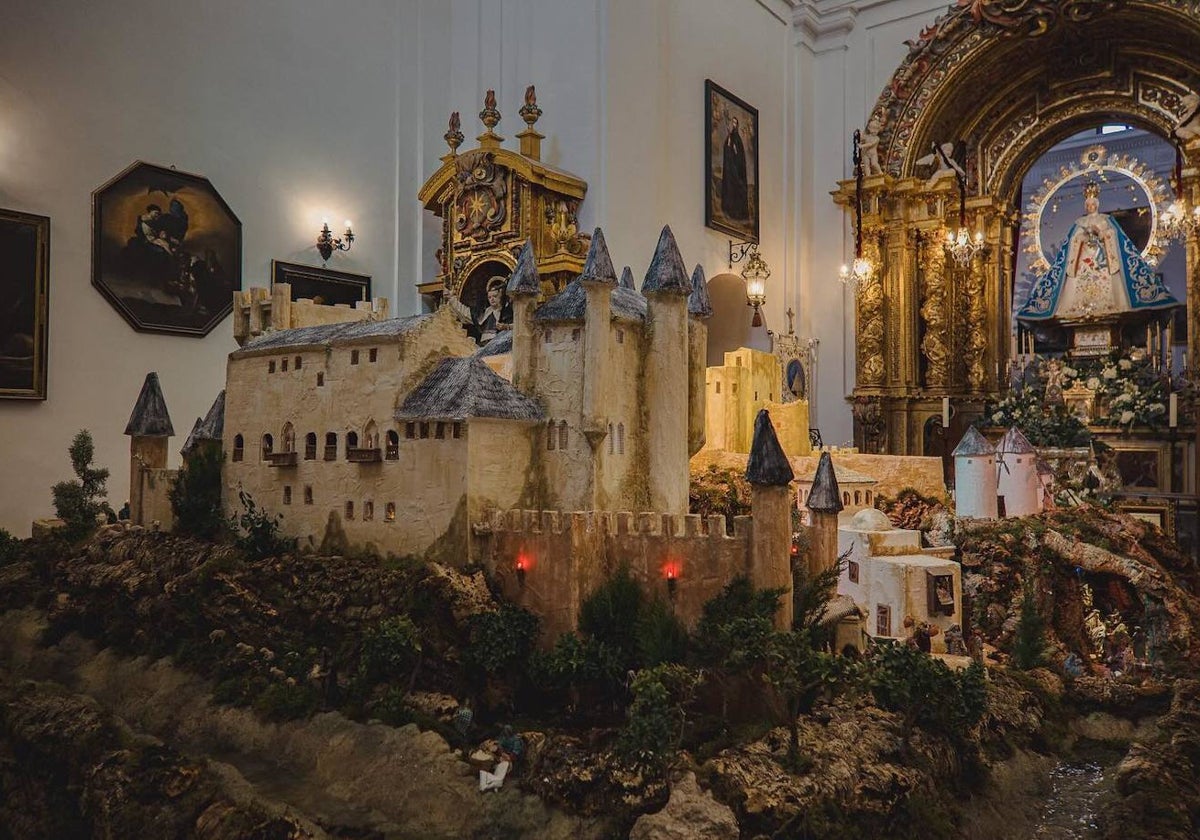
point(1098, 271)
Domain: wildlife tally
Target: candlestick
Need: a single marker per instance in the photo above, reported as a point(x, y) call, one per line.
point(1173, 411)
point(946, 413)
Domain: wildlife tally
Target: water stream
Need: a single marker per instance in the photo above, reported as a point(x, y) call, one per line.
point(1076, 790)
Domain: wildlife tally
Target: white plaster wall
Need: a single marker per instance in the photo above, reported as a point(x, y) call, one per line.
point(975, 486)
point(292, 109)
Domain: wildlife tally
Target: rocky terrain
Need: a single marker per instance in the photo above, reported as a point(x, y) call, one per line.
point(157, 686)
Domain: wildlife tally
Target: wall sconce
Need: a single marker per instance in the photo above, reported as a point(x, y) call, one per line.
point(522, 567)
point(326, 244)
point(671, 573)
point(755, 274)
point(862, 268)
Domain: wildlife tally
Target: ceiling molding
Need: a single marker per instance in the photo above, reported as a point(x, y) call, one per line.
point(823, 21)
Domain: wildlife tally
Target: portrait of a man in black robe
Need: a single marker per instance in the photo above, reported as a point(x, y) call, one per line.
point(734, 196)
point(731, 164)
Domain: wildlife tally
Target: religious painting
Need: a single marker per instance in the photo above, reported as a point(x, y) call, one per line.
point(321, 285)
point(1142, 464)
point(730, 164)
point(166, 250)
point(24, 309)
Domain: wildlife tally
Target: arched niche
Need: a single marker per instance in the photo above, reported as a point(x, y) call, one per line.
point(1011, 80)
point(730, 325)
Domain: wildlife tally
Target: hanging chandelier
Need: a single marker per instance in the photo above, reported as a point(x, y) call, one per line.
point(961, 245)
point(862, 269)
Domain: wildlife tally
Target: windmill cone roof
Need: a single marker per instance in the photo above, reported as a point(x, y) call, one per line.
point(767, 464)
point(1015, 442)
point(825, 496)
point(973, 443)
point(150, 417)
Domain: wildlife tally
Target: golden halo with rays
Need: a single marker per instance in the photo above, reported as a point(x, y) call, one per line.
point(1096, 162)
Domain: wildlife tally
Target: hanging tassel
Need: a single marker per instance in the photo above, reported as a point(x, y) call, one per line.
point(757, 321)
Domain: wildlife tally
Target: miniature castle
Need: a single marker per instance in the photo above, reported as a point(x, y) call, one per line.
point(749, 381)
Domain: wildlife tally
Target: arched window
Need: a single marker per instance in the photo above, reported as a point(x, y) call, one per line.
point(393, 445)
point(310, 446)
point(308, 494)
point(389, 512)
point(289, 438)
point(239, 447)
point(846, 498)
point(562, 434)
point(349, 510)
point(612, 439)
point(331, 446)
point(868, 497)
point(351, 440)
point(371, 436)
point(551, 434)
point(368, 510)
point(268, 445)
point(620, 438)
point(858, 497)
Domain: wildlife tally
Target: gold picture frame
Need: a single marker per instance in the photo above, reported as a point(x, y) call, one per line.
point(1160, 512)
point(25, 314)
point(1142, 464)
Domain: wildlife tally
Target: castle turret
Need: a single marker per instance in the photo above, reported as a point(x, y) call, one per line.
point(209, 430)
point(626, 281)
point(666, 288)
point(975, 477)
point(598, 279)
point(523, 289)
point(824, 504)
point(770, 476)
point(699, 311)
point(1017, 483)
point(149, 428)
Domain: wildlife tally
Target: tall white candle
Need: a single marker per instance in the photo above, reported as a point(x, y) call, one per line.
point(1173, 411)
point(945, 412)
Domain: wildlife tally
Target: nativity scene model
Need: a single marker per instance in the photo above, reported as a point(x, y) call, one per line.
point(525, 563)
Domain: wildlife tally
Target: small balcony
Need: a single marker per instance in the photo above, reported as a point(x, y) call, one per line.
point(364, 456)
point(281, 459)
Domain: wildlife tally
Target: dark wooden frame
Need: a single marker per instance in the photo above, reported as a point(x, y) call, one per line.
point(39, 284)
point(355, 287)
point(114, 299)
point(712, 89)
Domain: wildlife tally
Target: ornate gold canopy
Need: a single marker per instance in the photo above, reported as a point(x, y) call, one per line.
point(491, 199)
point(1011, 78)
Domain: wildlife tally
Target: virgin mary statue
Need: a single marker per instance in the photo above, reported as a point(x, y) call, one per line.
point(1097, 271)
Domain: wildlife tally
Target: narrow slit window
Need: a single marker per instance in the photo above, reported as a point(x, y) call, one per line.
point(331, 446)
point(349, 510)
point(320, 379)
point(353, 357)
point(393, 445)
point(268, 445)
point(612, 439)
point(310, 446)
point(458, 427)
point(439, 431)
point(562, 434)
point(283, 366)
point(299, 362)
point(389, 512)
point(368, 510)
point(424, 431)
point(410, 430)
point(372, 354)
point(287, 494)
point(351, 441)
point(551, 434)
point(239, 447)
point(620, 438)
point(271, 366)
point(308, 497)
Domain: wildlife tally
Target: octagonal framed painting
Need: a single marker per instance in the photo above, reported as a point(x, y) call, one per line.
point(166, 250)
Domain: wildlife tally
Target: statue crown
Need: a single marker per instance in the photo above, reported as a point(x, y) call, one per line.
point(1091, 190)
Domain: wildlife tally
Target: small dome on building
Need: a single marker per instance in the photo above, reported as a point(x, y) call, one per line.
point(871, 519)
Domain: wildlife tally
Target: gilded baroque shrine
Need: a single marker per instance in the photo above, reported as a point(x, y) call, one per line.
point(983, 93)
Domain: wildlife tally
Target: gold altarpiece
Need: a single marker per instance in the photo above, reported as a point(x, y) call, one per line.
point(1011, 80)
point(492, 199)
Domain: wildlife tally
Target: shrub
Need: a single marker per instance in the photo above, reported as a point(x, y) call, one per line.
point(610, 615)
point(800, 673)
point(391, 651)
point(661, 636)
point(196, 496)
point(282, 701)
point(925, 692)
point(587, 668)
point(10, 547)
point(79, 503)
point(1029, 639)
point(657, 716)
point(733, 632)
point(258, 531)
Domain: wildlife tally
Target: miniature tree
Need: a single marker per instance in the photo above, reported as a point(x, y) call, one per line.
point(1029, 640)
point(79, 503)
point(196, 495)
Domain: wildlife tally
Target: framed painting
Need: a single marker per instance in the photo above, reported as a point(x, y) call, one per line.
point(166, 250)
point(1160, 512)
point(730, 164)
point(321, 285)
point(24, 304)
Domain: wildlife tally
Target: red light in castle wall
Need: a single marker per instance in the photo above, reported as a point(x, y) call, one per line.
point(522, 566)
point(671, 573)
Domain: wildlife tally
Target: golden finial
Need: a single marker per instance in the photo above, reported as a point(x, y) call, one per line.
point(454, 135)
point(490, 116)
point(531, 141)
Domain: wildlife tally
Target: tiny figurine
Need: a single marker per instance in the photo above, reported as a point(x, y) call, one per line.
point(1188, 127)
point(946, 159)
point(868, 147)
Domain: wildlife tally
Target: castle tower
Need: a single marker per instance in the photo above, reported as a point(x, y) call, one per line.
point(598, 279)
point(770, 476)
point(975, 477)
point(1017, 481)
point(626, 281)
point(149, 428)
point(523, 289)
point(699, 311)
point(824, 504)
point(666, 288)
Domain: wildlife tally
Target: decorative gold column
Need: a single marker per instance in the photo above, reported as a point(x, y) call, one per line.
point(934, 344)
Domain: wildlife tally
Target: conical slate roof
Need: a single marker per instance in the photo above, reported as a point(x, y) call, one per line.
point(213, 425)
point(767, 465)
point(626, 281)
point(464, 388)
point(1014, 442)
point(699, 303)
point(571, 304)
point(666, 272)
point(825, 497)
point(150, 417)
point(973, 443)
point(598, 267)
point(525, 280)
point(190, 443)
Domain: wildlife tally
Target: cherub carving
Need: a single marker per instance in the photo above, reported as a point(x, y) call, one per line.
point(947, 160)
point(868, 147)
point(1188, 127)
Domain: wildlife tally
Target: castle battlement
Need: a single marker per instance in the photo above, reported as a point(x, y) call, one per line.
point(257, 310)
point(619, 524)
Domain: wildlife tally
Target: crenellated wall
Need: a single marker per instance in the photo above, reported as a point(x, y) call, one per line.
point(562, 558)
